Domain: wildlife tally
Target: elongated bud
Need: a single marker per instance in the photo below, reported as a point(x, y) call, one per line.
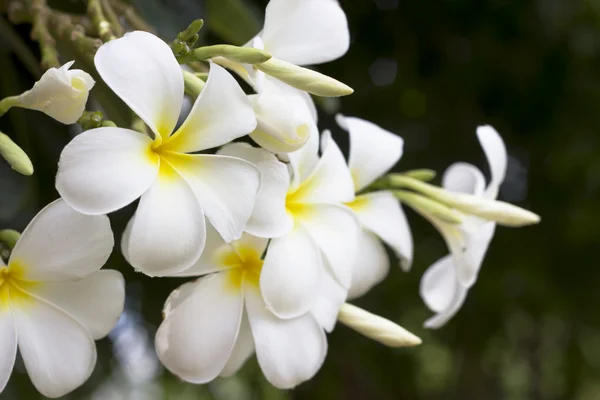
point(377, 328)
point(304, 79)
point(9, 237)
point(424, 175)
point(426, 206)
point(501, 212)
point(15, 156)
point(192, 84)
point(246, 55)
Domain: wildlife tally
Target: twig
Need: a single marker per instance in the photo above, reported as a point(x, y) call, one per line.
point(40, 33)
point(113, 18)
point(131, 16)
point(96, 14)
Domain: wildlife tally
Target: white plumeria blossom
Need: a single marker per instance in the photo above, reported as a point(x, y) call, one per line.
point(373, 152)
point(445, 284)
point(214, 324)
point(55, 301)
point(302, 32)
point(105, 169)
point(60, 93)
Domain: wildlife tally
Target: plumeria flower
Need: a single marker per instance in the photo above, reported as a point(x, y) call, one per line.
point(214, 324)
point(105, 169)
point(445, 284)
point(305, 32)
point(60, 93)
point(55, 301)
point(313, 234)
point(373, 152)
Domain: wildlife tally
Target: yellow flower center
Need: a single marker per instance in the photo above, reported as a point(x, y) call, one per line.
point(358, 203)
point(244, 265)
point(13, 286)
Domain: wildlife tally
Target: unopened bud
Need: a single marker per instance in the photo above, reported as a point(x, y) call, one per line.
point(192, 84)
point(304, 79)
point(424, 175)
point(9, 237)
point(377, 328)
point(246, 55)
point(15, 156)
point(426, 206)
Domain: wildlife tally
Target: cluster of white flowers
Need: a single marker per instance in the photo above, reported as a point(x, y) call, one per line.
point(280, 235)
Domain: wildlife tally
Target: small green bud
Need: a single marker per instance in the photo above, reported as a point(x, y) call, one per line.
point(304, 79)
point(9, 237)
point(15, 156)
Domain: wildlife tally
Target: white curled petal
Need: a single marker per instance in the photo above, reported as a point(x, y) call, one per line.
point(304, 161)
point(303, 102)
point(168, 233)
point(382, 214)
point(305, 32)
point(197, 337)
point(335, 230)
point(220, 114)
point(105, 169)
point(142, 70)
point(269, 217)
point(330, 180)
point(8, 344)
point(226, 188)
point(464, 178)
point(289, 351)
point(58, 352)
point(441, 318)
point(329, 301)
point(95, 301)
point(439, 284)
point(469, 263)
point(495, 152)
point(243, 349)
point(211, 259)
point(371, 265)
point(291, 273)
point(373, 150)
point(62, 244)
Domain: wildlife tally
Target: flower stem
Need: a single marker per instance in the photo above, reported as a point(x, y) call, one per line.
point(41, 34)
point(96, 14)
point(113, 18)
point(193, 84)
point(426, 206)
point(8, 102)
point(234, 53)
point(131, 16)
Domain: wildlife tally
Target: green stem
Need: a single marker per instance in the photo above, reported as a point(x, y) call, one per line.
point(246, 55)
point(8, 102)
point(426, 206)
point(193, 84)
point(40, 33)
point(131, 16)
point(113, 18)
point(96, 14)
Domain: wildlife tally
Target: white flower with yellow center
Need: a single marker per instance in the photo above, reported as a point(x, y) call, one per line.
point(105, 169)
point(55, 301)
point(373, 152)
point(213, 325)
point(60, 93)
point(305, 32)
point(445, 284)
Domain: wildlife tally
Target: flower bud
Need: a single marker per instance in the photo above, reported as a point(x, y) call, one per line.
point(304, 79)
point(15, 156)
point(60, 93)
point(9, 237)
point(280, 129)
point(377, 328)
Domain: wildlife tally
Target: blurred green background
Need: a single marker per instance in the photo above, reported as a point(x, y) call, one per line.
point(430, 71)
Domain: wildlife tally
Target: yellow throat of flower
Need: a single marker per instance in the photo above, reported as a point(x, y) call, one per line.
point(244, 265)
point(13, 286)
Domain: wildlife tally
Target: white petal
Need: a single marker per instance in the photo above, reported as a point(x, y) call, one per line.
point(210, 260)
point(441, 318)
point(469, 263)
point(105, 169)
point(196, 338)
point(168, 233)
point(439, 285)
point(306, 31)
point(495, 152)
point(95, 301)
point(291, 273)
point(62, 244)
point(304, 161)
point(335, 230)
point(226, 188)
point(243, 349)
point(142, 70)
point(329, 301)
point(280, 128)
point(58, 352)
point(373, 150)
point(269, 217)
point(330, 180)
point(464, 178)
point(382, 214)
point(303, 101)
point(371, 265)
point(8, 345)
point(289, 351)
point(220, 114)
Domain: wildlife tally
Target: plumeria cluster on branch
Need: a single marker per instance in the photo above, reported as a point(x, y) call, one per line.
point(279, 235)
